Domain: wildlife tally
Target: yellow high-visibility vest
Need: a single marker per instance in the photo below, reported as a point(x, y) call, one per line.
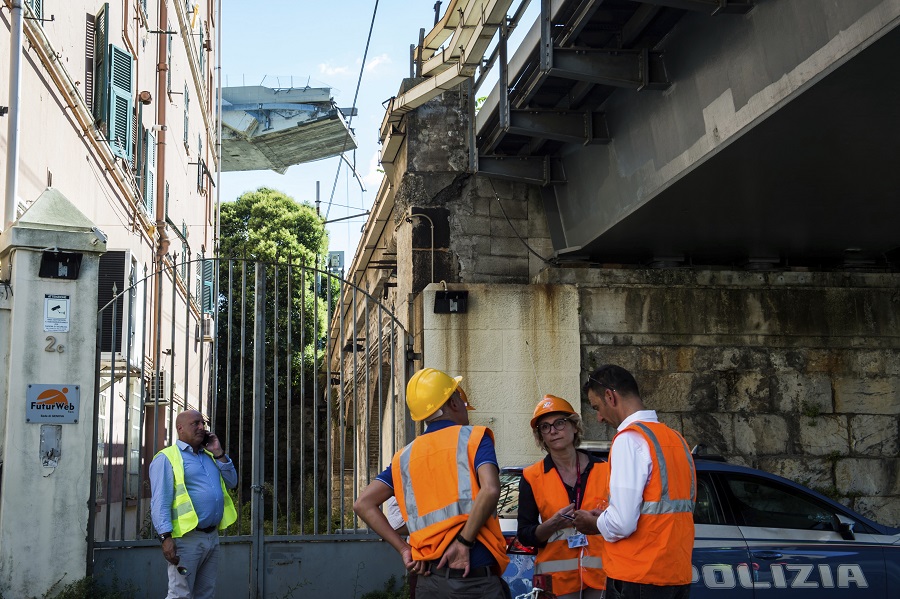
point(184, 518)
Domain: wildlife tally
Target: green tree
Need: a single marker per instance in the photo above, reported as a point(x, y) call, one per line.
point(267, 224)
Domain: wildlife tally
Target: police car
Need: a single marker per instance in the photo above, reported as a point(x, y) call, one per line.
point(758, 535)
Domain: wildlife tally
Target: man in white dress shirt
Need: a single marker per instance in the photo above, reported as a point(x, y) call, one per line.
point(648, 522)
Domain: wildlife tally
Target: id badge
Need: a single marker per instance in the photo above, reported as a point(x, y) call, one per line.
point(577, 540)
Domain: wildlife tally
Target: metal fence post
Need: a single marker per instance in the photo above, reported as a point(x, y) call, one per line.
point(257, 572)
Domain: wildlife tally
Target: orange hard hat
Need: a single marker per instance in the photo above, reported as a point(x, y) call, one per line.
point(548, 405)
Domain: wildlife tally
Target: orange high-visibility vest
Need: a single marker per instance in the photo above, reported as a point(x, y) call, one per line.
point(436, 485)
point(659, 551)
point(570, 570)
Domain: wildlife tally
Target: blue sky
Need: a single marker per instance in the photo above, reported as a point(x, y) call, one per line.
point(323, 43)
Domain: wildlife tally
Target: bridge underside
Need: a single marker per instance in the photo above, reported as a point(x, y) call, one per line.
point(816, 183)
point(766, 138)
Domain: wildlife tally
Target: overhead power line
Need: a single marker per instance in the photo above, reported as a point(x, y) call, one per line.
point(362, 69)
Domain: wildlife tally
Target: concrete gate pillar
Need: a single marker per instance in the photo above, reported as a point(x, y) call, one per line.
point(48, 318)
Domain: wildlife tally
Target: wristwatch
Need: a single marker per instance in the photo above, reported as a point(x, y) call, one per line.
point(163, 536)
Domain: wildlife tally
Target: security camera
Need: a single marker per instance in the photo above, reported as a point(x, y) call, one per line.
point(159, 128)
point(101, 236)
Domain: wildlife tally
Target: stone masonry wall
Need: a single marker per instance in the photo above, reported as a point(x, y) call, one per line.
point(796, 373)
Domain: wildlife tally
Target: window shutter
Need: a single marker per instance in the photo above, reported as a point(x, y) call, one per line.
point(150, 173)
point(187, 104)
point(101, 72)
point(37, 7)
point(202, 53)
point(208, 286)
point(111, 272)
point(205, 274)
point(121, 99)
point(168, 58)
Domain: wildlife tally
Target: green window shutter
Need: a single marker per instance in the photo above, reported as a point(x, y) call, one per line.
point(205, 285)
point(202, 54)
point(187, 122)
point(150, 173)
point(169, 58)
point(121, 101)
point(101, 72)
point(167, 200)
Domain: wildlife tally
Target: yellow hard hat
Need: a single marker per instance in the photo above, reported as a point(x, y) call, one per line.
point(428, 390)
point(550, 404)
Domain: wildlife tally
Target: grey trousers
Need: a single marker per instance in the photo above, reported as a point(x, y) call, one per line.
point(199, 555)
point(438, 587)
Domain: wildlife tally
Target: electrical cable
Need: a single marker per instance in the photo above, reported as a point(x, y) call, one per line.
point(362, 69)
point(549, 261)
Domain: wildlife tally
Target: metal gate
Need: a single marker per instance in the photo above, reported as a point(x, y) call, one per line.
point(302, 376)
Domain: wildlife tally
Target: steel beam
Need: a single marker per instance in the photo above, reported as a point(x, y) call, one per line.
point(634, 69)
point(708, 6)
point(567, 126)
point(534, 170)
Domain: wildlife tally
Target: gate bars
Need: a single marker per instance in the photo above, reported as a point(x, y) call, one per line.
point(301, 374)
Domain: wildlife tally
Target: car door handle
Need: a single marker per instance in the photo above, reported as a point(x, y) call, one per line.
point(768, 555)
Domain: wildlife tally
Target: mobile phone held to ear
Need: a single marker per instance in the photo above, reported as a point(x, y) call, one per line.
point(206, 436)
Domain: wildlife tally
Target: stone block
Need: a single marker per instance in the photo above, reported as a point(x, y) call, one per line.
point(806, 394)
point(481, 205)
point(507, 246)
point(875, 436)
point(747, 392)
point(627, 357)
point(543, 351)
point(867, 395)
point(514, 208)
point(871, 362)
point(884, 510)
point(824, 360)
point(682, 359)
point(815, 473)
point(868, 476)
point(604, 312)
point(471, 225)
point(464, 351)
point(673, 421)
point(715, 431)
point(666, 392)
point(764, 434)
point(824, 435)
point(502, 266)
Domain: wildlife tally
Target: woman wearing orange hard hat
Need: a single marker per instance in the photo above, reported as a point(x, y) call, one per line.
point(569, 564)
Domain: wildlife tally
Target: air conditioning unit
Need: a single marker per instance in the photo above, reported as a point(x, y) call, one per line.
point(159, 388)
point(205, 330)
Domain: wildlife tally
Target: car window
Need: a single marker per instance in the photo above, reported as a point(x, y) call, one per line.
point(760, 502)
point(508, 504)
point(706, 510)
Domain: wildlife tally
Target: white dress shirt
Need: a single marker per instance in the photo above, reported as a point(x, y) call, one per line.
point(630, 467)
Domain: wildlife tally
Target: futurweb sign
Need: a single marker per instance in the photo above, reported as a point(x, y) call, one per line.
point(58, 404)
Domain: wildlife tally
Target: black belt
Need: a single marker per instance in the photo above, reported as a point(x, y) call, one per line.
point(208, 529)
point(479, 572)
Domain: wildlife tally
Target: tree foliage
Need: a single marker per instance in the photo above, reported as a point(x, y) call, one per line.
point(267, 224)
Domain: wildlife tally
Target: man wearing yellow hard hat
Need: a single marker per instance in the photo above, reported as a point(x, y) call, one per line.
point(447, 483)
